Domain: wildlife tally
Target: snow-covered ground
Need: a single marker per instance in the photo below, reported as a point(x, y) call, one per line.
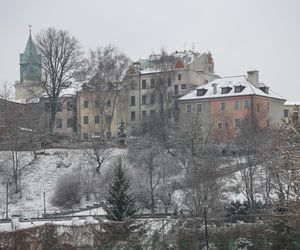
point(49, 167)
point(42, 178)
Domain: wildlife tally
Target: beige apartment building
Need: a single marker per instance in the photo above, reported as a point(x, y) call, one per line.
point(153, 83)
point(100, 111)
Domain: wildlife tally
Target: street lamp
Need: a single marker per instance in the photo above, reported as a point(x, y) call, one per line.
point(205, 206)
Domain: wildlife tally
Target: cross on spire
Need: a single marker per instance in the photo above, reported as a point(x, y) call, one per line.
point(29, 25)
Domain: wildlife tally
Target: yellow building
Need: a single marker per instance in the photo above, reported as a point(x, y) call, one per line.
point(100, 110)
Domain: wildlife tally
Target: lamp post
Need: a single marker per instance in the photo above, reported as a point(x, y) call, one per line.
point(205, 206)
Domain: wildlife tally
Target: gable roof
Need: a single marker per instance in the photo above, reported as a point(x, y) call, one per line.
point(231, 82)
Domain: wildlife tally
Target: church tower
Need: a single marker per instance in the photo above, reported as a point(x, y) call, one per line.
point(29, 86)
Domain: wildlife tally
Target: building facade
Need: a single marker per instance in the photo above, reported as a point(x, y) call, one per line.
point(223, 104)
point(155, 84)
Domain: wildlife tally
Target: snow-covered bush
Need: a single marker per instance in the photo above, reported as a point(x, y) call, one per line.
point(67, 191)
point(243, 244)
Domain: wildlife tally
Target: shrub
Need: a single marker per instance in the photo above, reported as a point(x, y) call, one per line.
point(67, 191)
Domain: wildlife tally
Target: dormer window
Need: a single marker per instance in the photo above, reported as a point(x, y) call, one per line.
point(201, 92)
point(226, 90)
point(238, 89)
point(265, 89)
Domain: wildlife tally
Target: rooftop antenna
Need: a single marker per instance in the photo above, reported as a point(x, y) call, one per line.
point(184, 45)
point(193, 46)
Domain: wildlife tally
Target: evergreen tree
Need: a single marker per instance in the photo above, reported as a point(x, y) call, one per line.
point(121, 133)
point(119, 204)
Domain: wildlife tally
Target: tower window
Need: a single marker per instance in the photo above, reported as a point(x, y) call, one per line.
point(179, 77)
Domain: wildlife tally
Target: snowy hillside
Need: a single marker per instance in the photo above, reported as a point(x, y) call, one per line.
point(42, 177)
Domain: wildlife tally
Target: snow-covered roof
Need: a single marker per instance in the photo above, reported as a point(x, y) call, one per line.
point(292, 103)
point(231, 82)
point(68, 92)
point(148, 65)
point(27, 101)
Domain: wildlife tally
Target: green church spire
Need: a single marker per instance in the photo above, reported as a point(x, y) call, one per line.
point(30, 62)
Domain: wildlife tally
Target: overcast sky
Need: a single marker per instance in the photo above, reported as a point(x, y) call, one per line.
point(242, 35)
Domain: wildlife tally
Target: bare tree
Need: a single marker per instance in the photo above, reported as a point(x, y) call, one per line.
point(107, 67)
point(100, 151)
point(146, 155)
point(252, 142)
point(61, 58)
point(201, 163)
point(283, 162)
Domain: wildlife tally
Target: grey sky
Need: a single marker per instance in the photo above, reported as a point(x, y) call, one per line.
point(241, 34)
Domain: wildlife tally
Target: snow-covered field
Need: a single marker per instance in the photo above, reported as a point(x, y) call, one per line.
point(42, 177)
point(45, 172)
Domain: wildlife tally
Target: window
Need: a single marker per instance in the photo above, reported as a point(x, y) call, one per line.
point(85, 120)
point(132, 116)
point(268, 106)
point(222, 106)
point(247, 104)
point(226, 90)
point(179, 77)
point(220, 125)
point(144, 84)
point(176, 89)
point(69, 106)
point(59, 107)
point(236, 105)
point(58, 123)
point(169, 81)
point(86, 104)
point(108, 103)
point(70, 123)
point(132, 101)
point(152, 83)
point(268, 122)
point(183, 86)
point(188, 108)
point(238, 89)
point(152, 112)
point(152, 99)
point(199, 107)
point(97, 103)
point(143, 99)
point(237, 123)
point(97, 119)
point(257, 107)
point(286, 112)
point(144, 114)
point(201, 92)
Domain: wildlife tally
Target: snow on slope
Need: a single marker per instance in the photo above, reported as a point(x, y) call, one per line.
point(42, 178)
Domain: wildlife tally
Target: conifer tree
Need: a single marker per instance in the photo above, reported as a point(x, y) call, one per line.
point(119, 204)
point(121, 133)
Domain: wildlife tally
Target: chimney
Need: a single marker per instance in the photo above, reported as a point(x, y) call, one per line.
point(214, 85)
point(253, 77)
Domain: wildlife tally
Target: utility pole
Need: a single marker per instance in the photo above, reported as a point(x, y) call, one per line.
point(6, 201)
point(205, 220)
point(44, 194)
